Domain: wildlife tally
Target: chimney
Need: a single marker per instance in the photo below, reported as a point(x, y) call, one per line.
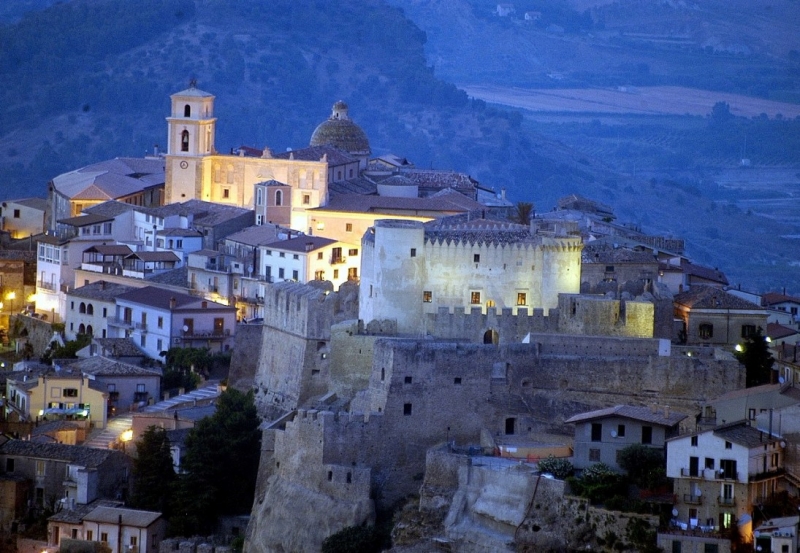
point(666, 411)
point(172, 303)
point(654, 408)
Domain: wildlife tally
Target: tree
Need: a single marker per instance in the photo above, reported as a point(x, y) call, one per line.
point(153, 472)
point(523, 213)
point(645, 465)
point(220, 466)
point(756, 358)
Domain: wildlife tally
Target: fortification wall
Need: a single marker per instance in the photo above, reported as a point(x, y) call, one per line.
point(245, 355)
point(295, 351)
point(351, 358)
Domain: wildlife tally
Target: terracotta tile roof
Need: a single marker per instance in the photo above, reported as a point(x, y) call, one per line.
point(772, 298)
point(777, 331)
point(100, 290)
point(154, 256)
point(743, 434)
point(112, 208)
point(706, 273)
point(360, 185)
point(34, 203)
point(103, 366)
point(605, 254)
point(176, 277)
point(643, 414)
point(83, 220)
point(453, 202)
point(746, 392)
point(118, 347)
point(711, 297)
point(129, 517)
point(75, 515)
point(86, 456)
point(335, 156)
point(111, 179)
point(433, 178)
point(110, 249)
point(161, 298)
point(300, 244)
point(257, 235)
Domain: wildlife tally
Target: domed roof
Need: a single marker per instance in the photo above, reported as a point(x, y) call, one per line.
point(341, 132)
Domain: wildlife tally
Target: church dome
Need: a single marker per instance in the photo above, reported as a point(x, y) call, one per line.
point(341, 132)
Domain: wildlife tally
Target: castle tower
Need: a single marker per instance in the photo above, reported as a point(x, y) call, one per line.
point(191, 128)
point(393, 273)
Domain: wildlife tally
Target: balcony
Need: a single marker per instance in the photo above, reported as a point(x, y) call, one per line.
point(726, 501)
point(337, 259)
point(691, 473)
point(122, 323)
point(49, 286)
point(206, 335)
point(690, 499)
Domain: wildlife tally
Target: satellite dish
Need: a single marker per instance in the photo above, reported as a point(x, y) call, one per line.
point(674, 512)
point(613, 433)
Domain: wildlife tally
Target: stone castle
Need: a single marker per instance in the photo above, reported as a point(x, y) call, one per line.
point(355, 405)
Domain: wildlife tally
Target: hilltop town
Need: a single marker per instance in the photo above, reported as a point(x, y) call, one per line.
point(418, 349)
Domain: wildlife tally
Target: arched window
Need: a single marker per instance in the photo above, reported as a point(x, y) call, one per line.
point(81, 329)
point(82, 308)
point(185, 141)
point(90, 309)
point(90, 330)
point(187, 110)
point(278, 197)
point(491, 337)
point(259, 196)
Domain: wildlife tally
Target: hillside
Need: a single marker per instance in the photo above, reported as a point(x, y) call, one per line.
point(88, 81)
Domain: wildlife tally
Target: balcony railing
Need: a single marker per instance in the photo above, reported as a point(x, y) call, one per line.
point(691, 473)
point(692, 499)
point(206, 335)
point(726, 501)
point(709, 474)
point(337, 259)
point(116, 321)
point(50, 286)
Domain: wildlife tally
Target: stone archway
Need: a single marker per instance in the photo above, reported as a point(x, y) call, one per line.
point(491, 337)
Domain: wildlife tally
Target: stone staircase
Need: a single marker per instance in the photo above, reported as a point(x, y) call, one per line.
point(106, 437)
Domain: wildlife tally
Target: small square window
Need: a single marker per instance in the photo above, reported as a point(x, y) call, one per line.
point(408, 380)
point(728, 445)
point(427, 296)
point(226, 193)
point(475, 298)
point(413, 252)
point(694, 441)
point(594, 455)
point(282, 254)
point(348, 227)
point(306, 199)
point(457, 380)
point(406, 409)
point(295, 256)
point(319, 255)
point(476, 258)
point(522, 298)
point(620, 430)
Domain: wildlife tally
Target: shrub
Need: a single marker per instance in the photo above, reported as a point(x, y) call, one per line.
point(560, 468)
point(353, 539)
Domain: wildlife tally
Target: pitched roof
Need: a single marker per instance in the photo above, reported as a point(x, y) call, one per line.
point(358, 185)
point(83, 220)
point(643, 414)
point(777, 331)
point(301, 244)
point(154, 256)
point(112, 208)
point(452, 202)
point(111, 179)
point(118, 347)
point(129, 517)
point(773, 298)
point(743, 434)
point(176, 277)
point(86, 456)
point(109, 249)
point(256, 235)
point(711, 297)
point(103, 366)
point(746, 392)
point(334, 156)
point(34, 203)
point(706, 273)
point(100, 290)
point(161, 298)
point(203, 213)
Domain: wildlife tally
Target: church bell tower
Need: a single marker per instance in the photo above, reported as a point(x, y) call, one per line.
point(191, 128)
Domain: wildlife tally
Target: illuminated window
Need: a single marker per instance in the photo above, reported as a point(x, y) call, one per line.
point(522, 298)
point(489, 303)
point(475, 298)
point(319, 275)
point(427, 296)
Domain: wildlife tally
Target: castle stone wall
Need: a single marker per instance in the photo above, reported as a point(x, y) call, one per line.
point(245, 356)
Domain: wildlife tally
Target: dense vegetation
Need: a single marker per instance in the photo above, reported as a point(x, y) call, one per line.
point(218, 471)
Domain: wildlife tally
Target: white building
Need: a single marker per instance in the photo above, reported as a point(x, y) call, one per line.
point(89, 306)
point(410, 269)
point(159, 319)
point(306, 258)
point(719, 475)
point(122, 530)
